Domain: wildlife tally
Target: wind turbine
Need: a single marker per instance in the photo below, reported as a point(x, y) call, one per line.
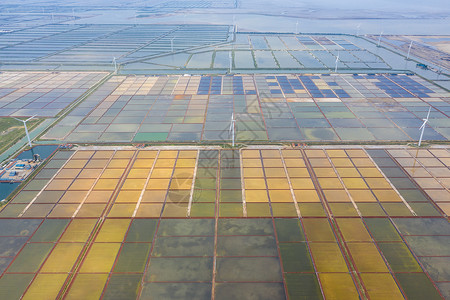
point(425, 121)
point(231, 60)
point(336, 64)
point(296, 27)
point(357, 29)
point(26, 129)
point(232, 129)
point(409, 50)
point(379, 39)
point(171, 44)
point(115, 65)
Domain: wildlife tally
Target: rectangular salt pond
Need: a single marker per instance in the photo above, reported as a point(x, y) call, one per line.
point(285, 60)
point(222, 59)
point(258, 42)
point(164, 218)
point(265, 59)
point(243, 60)
point(200, 60)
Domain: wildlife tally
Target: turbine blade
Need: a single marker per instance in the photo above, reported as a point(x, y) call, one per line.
point(30, 118)
point(428, 115)
point(424, 123)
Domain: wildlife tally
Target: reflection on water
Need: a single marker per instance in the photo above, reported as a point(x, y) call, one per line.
point(44, 151)
point(7, 188)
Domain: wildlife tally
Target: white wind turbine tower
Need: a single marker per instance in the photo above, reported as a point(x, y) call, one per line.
point(379, 39)
point(26, 129)
point(409, 50)
point(357, 29)
point(336, 63)
point(115, 65)
point(296, 27)
point(230, 57)
point(232, 129)
point(425, 121)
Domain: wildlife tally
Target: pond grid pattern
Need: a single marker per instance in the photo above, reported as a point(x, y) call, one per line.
point(44, 94)
point(231, 224)
point(266, 108)
point(248, 52)
point(90, 44)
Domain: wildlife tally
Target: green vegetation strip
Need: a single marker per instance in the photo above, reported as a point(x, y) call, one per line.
point(11, 131)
